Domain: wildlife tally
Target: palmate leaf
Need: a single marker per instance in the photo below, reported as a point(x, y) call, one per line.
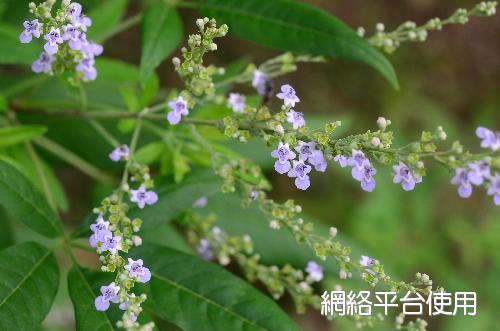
point(161, 33)
point(298, 27)
point(29, 278)
point(25, 203)
point(200, 296)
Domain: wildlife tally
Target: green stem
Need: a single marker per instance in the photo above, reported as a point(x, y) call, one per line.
point(132, 148)
point(74, 160)
point(124, 114)
point(103, 132)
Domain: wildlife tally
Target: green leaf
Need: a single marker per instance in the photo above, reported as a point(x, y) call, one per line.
point(105, 18)
point(30, 278)
point(149, 153)
point(25, 203)
point(161, 34)
point(83, 297)
point(12, 51)
point(181, 165)
point(6, 235)
point(112, 70)
point(13, 135)
point(3, 103)
point(198, 295)
point(21, 160)
point(298, 27)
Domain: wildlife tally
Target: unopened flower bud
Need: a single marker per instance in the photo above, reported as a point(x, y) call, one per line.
point(137, 240)
point(375, 142)
point(333, 231)
point(274, 225)
point(382, 123)
point(279, 129)
point(380, 27)
point(361, 31)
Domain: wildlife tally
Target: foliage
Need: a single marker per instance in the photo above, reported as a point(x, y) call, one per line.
point(194, 162)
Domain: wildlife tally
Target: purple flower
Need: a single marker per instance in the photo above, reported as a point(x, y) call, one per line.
point(70, 33)
point(404, 176)
point(300, 171)
point(100, 230)
point(143, 197)
point(295, 118)
point(315, 271)
point(342, 160)
point(201, 202)
point(254, 195)
point(318, 161)
point(86, 66)
point(489, 139)
point(462, 180)
point(283, 154)
point(82, 22)
point(306, 150)
point(137, 270)
point(111, 244)
point(288, 95)
point(237, 102)
point(365, 176)
point(358, 159)
point(75, 10)
point(79, 43)
point(43, 64)
point(31, 29)
point(179, 108)
point(90, 49)
point(367, 262)
point(205, 250)
point(494, 188)
point(262, 83)
point(126, 305)
point(53, 40)
point(120, 153)
point(109, 294)
point(479, 171)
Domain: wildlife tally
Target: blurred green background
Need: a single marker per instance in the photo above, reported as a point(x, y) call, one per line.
point(452, 80)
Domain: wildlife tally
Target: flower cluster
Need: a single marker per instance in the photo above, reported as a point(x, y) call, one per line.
point(238, 175)
point(308, 155)
point(409, 31)
point(66, 46)
point(479, 173)
point(215, 244)
point(114, 233)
